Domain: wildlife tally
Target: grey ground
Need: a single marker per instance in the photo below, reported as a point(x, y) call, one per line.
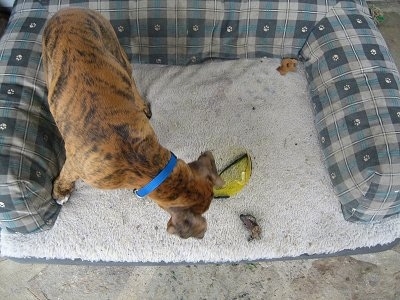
point(369, 276)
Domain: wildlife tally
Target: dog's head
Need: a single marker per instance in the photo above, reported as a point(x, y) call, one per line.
point(188, 221)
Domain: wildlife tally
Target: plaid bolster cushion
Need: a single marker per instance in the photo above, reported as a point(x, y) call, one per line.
point(31, 150)
point(354, 87)
point(185, 32)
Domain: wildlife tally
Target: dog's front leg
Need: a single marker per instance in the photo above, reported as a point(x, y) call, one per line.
point(143, 105)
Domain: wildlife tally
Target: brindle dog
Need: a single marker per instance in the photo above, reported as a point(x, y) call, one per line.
point(103, 120)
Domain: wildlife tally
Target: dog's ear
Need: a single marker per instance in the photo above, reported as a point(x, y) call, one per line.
point(205, 166)
point(185, 224)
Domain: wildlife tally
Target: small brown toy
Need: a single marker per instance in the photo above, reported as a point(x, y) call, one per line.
point(287, 65)
point(251, 224)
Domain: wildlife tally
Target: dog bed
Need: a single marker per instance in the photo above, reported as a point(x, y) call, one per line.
point(352, 81)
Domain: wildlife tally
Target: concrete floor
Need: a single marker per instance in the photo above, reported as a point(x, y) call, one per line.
point(370, 276)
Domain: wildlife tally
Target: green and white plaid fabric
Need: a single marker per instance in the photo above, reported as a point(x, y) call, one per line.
point(353, 83)
point(185, 32)
point(354, 87)
point(31, 150)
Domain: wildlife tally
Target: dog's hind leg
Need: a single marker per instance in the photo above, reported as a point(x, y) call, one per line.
point(64, 183)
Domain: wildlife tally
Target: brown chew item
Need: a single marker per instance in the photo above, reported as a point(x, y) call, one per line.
point(251, 224)
point(287, 65)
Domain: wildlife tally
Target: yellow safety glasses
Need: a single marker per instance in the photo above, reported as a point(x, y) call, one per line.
point(236, 175)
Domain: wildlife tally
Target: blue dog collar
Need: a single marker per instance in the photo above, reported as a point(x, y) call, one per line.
point(160, 178)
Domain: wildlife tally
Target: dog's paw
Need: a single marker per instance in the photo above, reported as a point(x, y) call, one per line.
point(62, 190)
point(147, 110)
point(63, 200)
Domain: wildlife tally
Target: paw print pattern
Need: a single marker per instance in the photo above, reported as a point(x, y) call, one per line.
point(357, 122)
